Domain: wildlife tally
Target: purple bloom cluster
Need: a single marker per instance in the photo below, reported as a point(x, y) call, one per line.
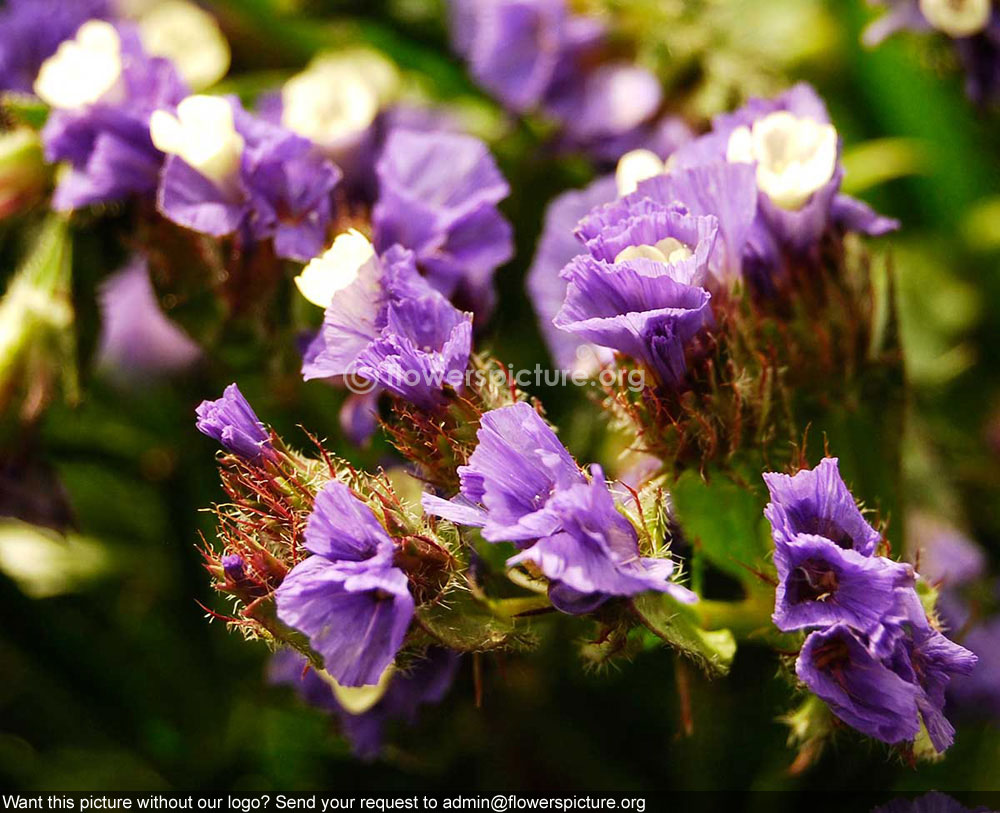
point(106, 142)
point(231, 421)
point(872, 655)
point(639, 288)
point(281, 190)
point(535, 55)
point(425, 682)
point(391, 328)
point(438, 196)
point(522, 486)
point(348, 598)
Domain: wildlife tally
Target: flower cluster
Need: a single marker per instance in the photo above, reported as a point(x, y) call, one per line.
point(522, 486)
point(385, 323)
point(727, 269)
point(330, 564)
point(872, 654)
point(538, 56)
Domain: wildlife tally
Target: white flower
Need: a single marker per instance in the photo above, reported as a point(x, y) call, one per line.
point(957, 18)
point(668, 251)
point(795, 156)
point(202, 134)
point(83, 70)
point(188, 36)
point(636, 166)
point(335, 269)
point(335, 100)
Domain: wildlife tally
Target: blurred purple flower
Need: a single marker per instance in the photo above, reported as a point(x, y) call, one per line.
point(537, 56)
point(137, 340)
point(106, 142)
point(280, 189)
point(425, 682)
point(942, 553)
point(31, 30)
point(556, 247)
point(348, 598)
point(438, 196)
point(974, 29)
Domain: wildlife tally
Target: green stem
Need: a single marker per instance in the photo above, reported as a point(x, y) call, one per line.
point(749, 619)
point(510, 607)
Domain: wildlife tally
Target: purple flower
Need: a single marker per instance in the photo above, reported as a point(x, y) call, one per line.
point(101, 129)
point(231, 172)
point(515, 469)
point(348, 598)
point(137, 340)
point(556, 247)
point(535, 56)
point(928, 660)
point(438, 196)
point(425, 682)
point(520, 49)
point(638, 290)
point(391, 328)
point(795, 155)
point(820, 584)
point(31, 30)
point(231, 421)
point(522, 486)
point(816, 501)
point(608, 108)
point(724, 191)
point(595, 553)
point(838, 665)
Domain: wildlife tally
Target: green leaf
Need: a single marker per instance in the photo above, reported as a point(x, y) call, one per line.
point(724, 522)
point(461, 622)
point(674, 623)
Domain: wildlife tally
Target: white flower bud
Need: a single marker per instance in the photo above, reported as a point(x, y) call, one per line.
point(795, 156)
point(188, 36)
point(335, 100)
point(957, 18)
point(636, 166)
point(203, 134)
point(83, 70)
point(335, 269)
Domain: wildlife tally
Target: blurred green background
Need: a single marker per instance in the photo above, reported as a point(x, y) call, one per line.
point(110, 675)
